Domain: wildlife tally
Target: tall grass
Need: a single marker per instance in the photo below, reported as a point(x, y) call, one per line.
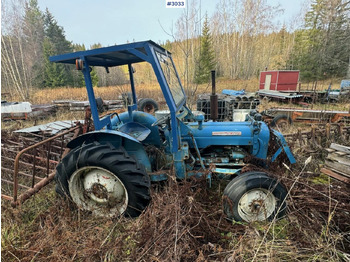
point(152, 90)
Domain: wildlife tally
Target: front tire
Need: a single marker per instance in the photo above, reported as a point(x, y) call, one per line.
point(254, 197)
point(104, 180)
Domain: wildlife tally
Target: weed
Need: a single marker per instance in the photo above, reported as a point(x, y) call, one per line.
point(321, 179)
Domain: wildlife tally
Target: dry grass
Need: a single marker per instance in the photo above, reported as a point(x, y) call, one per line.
point(46, 96)
point(184, 222)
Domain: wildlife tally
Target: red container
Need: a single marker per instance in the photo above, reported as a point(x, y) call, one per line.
point(281, 80)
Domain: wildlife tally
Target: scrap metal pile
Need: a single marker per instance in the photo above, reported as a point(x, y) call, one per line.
point(231, 106)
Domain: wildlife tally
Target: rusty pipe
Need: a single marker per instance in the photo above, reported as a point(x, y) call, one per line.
point(23, 197)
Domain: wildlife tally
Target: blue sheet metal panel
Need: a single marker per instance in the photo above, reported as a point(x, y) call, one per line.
point(117, 139)
point(108, 56)
point(230, 133)
point(284, 146)
point(263, 139)
point(179, 164)
point(102, 134)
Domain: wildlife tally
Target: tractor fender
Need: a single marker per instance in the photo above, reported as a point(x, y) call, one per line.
point(117, 139)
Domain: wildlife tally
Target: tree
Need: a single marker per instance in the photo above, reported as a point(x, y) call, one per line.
point(15, 73)
point(54, 73)
point(322, 47)
point(33, 34)
point(56, 43)
point(243, 32)
point(206, 61)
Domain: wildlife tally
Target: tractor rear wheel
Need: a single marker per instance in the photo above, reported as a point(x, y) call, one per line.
point(254, 196)
point(104, 180)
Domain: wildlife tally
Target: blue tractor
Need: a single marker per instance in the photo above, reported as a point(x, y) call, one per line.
point(109, 171)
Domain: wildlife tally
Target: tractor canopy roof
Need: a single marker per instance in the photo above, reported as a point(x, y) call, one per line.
point(113, 55)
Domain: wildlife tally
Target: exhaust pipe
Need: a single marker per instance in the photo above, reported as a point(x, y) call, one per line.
point(213, 99)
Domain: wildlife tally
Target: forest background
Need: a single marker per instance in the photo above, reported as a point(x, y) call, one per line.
point(239, 40)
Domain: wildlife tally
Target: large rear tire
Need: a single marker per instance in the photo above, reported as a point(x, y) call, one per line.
point(104, 180)
point(254, 196)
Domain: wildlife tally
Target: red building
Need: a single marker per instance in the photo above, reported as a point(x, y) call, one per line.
point(280, 80)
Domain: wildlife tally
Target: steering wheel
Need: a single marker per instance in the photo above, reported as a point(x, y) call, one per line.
point(161, 120)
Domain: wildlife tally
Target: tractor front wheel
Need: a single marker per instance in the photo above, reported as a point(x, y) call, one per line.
point(254, 196)
point(104, 180)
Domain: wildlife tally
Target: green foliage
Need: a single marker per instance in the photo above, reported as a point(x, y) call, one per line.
point(206, 61)
point(322, 179)
point(55, 34)
point(54, 74)
point(33, 30)
point(55, 43)
point(322, 47)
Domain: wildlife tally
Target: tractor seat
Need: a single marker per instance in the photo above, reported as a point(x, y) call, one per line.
point(136, 130)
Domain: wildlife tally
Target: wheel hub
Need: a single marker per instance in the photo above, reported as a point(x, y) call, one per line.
point(256, 205)
point(98, 190)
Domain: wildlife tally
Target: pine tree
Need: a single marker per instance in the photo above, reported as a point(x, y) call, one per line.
point(56, 43)
point(322, 48)
point(206, 61)
point(55, 34)
point(33, 34)
point(54, 73)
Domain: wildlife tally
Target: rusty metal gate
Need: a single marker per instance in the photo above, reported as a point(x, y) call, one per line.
point(28, 162)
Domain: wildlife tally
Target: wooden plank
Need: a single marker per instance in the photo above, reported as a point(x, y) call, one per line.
point(341, 148)
point(341, 153)
point(342, 168)
point(340, 173)
point(341, 160)
point(335, 175)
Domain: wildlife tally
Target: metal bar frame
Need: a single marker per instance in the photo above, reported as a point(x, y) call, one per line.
point(35, 187)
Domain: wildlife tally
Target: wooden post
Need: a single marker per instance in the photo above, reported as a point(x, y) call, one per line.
point(328, 130)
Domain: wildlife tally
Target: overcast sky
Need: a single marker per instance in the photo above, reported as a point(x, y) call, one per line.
point(112, 22)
